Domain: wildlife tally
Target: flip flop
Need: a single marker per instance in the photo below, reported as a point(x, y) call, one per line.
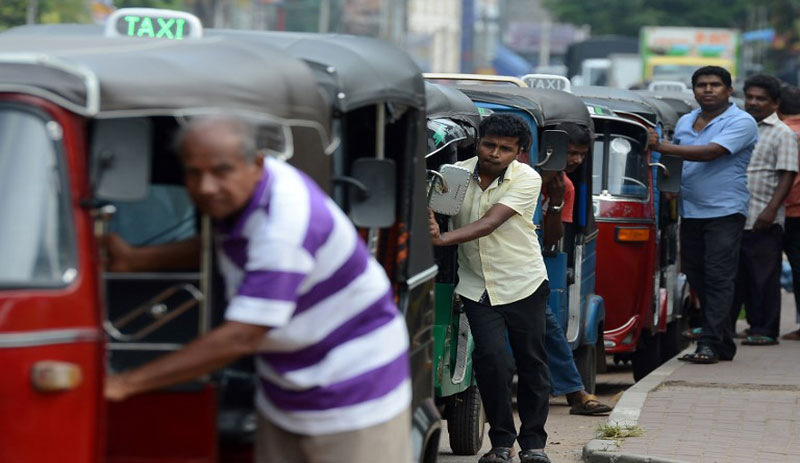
point(589, 406)
point(703, 355)
point(497, 455)
point(792, 336)
point(692, 334)
point(533, 456)
point(759, 340)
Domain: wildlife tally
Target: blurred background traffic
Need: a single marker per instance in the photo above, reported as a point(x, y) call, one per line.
point(619, 43)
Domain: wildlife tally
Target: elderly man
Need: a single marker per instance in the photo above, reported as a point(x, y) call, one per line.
point(716, 141)
point(770, 175)
point(306, 296)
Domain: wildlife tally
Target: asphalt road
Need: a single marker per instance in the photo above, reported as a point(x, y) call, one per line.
point(567, 434)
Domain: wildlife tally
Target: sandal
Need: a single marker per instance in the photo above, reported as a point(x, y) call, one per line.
point(743, 334)
point(759, 340)
point(533, 456)
point(692, 334)
point(703, 355)
point(792, 336)
point(589, 406)
point(497, 455)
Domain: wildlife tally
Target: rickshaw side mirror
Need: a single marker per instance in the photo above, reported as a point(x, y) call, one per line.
point(120, 158)
point(371, 192)
point(447, 189)
point(553, 151)
point(669, 173)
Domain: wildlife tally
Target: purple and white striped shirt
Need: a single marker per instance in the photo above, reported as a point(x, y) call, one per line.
point(336, 358)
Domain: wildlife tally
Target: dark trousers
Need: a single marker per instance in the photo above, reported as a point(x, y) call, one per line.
point(758, 282)
point(709, 258)
point(524, 321)
point(791, 245)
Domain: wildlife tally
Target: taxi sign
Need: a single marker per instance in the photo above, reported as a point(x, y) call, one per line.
point(153, 23)
point(547, 81)
point(667, 86)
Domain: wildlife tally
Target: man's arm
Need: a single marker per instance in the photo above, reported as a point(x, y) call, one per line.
point(767, 217)
point(698, 153)
point(210, 352)
point(180, 255)
point(552, 225)
point(494, 217)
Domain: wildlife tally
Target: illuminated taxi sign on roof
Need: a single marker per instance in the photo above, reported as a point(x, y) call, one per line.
point(548, 81)
point(152, 23)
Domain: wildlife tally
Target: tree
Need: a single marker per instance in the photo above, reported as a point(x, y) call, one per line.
point(626, 17)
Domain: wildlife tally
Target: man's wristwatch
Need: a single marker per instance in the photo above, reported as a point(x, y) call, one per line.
point(551, 208)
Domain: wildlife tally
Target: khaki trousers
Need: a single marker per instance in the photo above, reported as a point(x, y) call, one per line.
point(388, 442)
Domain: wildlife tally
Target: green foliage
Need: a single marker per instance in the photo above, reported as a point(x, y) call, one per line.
point(12, 13)
point(163, 4)
point(626, 17)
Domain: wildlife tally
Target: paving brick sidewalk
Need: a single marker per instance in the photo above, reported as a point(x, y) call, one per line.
point(747, 410)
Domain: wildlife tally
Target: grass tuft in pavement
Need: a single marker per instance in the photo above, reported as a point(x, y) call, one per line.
point(617, 432)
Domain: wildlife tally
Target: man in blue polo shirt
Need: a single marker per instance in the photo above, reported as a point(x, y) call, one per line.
point(715, 142)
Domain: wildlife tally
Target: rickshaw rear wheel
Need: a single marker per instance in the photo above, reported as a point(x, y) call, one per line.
point(586, 361)
point(647, 356)
point(466, 422)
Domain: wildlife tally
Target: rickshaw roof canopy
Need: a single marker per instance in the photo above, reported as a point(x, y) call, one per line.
point(666, 113)
point(109, 77)
point(442, 101)
point(618, 100)
point(547, 107)
point(681, 102)
point(355, 71)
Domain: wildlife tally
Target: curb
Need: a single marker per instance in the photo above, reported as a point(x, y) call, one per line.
point(626, 413)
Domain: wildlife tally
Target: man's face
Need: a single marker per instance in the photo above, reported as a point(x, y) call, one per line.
point(495, 153)
point(218, 177)
point(575, 156)
point(711, 93)
point(758, 103)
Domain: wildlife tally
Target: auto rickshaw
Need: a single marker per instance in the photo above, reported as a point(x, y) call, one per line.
point(377, 98)
point(452, 133)
point(637, 256)
point(570, 269)
point(95, 117)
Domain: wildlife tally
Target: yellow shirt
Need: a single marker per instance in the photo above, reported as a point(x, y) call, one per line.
point(508, 262)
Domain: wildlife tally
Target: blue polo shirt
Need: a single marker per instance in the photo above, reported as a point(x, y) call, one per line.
point(719, 187)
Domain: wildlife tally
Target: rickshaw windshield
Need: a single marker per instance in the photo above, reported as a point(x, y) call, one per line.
point(37, 247)
point(623, 171)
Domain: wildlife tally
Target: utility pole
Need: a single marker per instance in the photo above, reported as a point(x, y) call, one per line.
point(30, 17)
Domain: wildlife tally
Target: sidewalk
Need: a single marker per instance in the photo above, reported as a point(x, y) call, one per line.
point(747, 410)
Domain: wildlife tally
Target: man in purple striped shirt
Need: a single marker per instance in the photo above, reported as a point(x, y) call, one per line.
point(305, 297)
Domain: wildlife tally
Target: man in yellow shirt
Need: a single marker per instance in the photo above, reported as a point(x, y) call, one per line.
point(503, 285)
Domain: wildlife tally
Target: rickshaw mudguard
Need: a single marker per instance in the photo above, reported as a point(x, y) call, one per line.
point(426, 428)
point(453, 346)
point(556, 265)
point(595, 314)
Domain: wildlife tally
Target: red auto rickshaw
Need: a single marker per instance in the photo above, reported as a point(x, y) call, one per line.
point(646, 296)
point(87, 122)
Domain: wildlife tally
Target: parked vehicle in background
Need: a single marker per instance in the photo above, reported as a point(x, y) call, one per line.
point(638, 274)
point(625, 70)
point(589, 61)
point(674, 53)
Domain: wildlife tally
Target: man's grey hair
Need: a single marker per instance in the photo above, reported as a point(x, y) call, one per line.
point(244, 130)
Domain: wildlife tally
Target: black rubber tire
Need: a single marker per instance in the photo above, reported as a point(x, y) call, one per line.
point(466, 422)
point(647, 356)
point(672, 342)
point(586, 361)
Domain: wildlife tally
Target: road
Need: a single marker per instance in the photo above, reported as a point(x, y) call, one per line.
point(567, 433)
